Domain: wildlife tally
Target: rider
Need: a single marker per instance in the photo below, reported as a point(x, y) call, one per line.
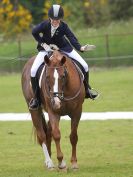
point(55, 31)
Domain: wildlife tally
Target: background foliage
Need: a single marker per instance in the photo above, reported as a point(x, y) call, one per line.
point(14, 18)
point(85, 12)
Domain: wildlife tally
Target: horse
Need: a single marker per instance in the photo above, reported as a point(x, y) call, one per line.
point(62, 93)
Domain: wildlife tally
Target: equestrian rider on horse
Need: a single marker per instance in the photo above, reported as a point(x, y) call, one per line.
point(55, 31)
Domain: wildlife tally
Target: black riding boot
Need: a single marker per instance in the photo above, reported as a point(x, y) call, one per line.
point(35, 101)
point(89, 93)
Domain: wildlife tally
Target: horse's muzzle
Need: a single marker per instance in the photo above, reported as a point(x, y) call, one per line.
point(56, 103)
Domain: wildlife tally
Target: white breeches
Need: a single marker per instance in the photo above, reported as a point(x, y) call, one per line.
point(37, 62)
point(73, 54)
point(40, 59)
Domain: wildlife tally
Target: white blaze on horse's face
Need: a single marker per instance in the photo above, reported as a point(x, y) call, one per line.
point(55, 90)
point(56, 76)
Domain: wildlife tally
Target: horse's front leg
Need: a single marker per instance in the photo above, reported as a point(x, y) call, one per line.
point(75, 117)
point(41, 135)
point(54, 121)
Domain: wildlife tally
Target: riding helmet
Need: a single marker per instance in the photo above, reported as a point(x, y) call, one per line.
point(56, 12)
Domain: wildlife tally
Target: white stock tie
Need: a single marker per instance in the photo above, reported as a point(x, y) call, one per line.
point(53, 29)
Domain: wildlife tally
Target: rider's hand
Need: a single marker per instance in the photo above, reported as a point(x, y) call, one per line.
point(54, 47)
point(87, 47)
point(46, 47)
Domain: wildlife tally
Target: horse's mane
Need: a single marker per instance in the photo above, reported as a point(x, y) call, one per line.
point(57, 57)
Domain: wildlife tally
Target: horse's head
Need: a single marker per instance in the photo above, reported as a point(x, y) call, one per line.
point(55, 77)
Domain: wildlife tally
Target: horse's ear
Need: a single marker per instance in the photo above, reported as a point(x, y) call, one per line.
point(63, 60)
point(46, 60)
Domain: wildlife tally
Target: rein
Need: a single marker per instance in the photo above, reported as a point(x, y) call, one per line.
point(60, 95)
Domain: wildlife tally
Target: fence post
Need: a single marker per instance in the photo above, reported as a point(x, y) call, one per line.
point(107, 49)
point(19, 52)
point(19, 48)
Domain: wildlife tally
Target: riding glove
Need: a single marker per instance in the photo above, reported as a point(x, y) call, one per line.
point(54, 47)
point(46, 47)
point(88, 47)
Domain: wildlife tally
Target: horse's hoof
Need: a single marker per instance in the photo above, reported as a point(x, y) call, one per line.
point(49, 164)
point(62, 165)
point(75, 166)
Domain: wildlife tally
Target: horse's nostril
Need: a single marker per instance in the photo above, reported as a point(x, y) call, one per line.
point(57, 100)
point(56, 103)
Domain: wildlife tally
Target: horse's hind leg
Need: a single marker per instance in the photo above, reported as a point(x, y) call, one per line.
point(74, 137)
point(38, 124)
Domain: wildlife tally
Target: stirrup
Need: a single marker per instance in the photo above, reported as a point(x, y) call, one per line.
point(34, 104)
point(94, 94)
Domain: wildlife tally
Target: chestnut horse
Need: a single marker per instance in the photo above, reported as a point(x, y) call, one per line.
point(62, 93)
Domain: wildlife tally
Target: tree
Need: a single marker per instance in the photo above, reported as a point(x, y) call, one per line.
point(36, 9)
point(96, 12)
point(121, 9)
point(14, 18)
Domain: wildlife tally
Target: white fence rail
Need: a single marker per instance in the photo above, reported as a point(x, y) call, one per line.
point(85, 116)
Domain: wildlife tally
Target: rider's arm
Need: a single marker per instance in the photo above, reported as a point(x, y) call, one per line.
point(36, 32)
point(71, 37)
point(73, 40)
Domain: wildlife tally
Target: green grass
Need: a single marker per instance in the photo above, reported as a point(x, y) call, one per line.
point(115, 87)
point(114, 84)
point(113, 28)
point(12, 99)
point(28, 46)
point(104, 150)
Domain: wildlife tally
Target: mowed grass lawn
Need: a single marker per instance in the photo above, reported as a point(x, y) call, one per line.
point(115, 86)
point(105, 149)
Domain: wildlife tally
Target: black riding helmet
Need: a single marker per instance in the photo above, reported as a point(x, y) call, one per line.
point(56, 12)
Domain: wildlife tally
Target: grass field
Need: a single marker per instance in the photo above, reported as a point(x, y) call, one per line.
point(115, 86)
point(105, 149)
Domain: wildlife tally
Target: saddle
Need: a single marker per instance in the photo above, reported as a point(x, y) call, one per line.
point(39, 74)
point(79, 68)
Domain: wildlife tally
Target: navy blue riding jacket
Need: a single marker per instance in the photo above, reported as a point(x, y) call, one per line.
point(63, 36)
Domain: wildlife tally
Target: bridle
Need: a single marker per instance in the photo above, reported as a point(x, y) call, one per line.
point(50, 94)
